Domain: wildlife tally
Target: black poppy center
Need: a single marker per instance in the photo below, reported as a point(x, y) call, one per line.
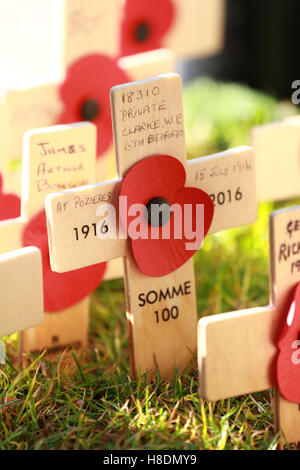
point(158, 211)
point(142, 32)
point(90, 110)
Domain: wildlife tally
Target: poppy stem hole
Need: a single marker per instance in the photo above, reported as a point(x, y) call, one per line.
point(158, 211)
point(89, 110)
point(142, 32)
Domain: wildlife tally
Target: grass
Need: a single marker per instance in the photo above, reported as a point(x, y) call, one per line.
point(94, 404)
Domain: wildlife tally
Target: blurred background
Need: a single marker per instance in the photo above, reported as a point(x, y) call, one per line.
point(261, 47)
point(261, 44)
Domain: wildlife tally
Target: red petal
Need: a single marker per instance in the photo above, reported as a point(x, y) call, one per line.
point(288, 371)
point(60, 290)
point(67, 116)
point(91, 77)
point(157, 258)
point(156, 176)
point(164, 176)
point(10, 204)
point(159, 15)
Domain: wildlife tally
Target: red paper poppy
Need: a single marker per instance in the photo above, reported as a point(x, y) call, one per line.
point(288, 359)
point(10, 204)
point(60, 290)
point(145, 24)
point(85, 94)
point(162, 178)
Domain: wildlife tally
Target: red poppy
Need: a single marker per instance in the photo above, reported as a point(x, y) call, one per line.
point(10, 204)
point(156, 180)
point(145, 24)
point(85, 94)
point(60, 290)
point(288, 360)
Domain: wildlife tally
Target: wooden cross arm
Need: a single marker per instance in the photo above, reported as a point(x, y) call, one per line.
point(21, 290)
point(229, 178)
point(276, 148)
point(74, 226)
point(236, 353)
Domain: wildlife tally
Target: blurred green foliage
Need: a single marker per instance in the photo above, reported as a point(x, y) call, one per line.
point(220, 115)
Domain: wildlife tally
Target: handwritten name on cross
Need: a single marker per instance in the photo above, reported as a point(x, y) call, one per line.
point(276, 148)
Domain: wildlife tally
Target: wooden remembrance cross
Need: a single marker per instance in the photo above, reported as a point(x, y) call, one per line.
point(228, 175)
point(54, 158)
point(237, 350)
point(277, 159)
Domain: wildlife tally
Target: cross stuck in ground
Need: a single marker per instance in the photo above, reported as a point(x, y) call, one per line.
point(54, 158)
point(157, 337)
point(237, 351)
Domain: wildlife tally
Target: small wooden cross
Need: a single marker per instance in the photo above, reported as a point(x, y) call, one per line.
point(21, 291)
point(148, 120)
point(55, 158)
point(277, 159)
point(237, 350)
point(87, 30)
